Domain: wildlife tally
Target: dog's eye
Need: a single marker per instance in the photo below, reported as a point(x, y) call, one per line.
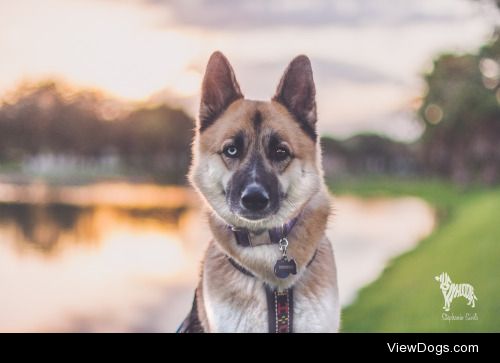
point(231, 151)
point(280, 153)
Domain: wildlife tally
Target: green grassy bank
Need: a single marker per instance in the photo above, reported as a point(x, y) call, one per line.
point(465, 243)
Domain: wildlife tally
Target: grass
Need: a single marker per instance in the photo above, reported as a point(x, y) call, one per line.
point(466, 244)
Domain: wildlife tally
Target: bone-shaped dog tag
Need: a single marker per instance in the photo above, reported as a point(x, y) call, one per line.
point(284, 267)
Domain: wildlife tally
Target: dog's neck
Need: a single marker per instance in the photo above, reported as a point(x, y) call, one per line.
point(303, 238)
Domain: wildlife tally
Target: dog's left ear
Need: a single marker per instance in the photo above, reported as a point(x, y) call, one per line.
point(297, 93)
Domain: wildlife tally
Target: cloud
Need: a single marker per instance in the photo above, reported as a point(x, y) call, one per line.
point(254, 75)
point(248, 14)
point(331, 70)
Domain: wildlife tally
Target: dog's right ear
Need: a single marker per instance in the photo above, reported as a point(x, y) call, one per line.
point(219, 89)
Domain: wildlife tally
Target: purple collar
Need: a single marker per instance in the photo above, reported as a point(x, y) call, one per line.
point(243, 239)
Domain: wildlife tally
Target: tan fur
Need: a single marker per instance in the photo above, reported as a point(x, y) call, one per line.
point(209, 173)
point(303, 241)
point(225, 282)
point(227, 299)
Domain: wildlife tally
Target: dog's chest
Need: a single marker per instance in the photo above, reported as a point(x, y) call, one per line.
point(244, 308)
point(238, 306)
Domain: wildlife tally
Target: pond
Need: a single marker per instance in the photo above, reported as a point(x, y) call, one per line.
point(126, 258)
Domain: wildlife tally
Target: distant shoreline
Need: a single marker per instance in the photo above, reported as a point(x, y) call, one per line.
point(113, 194)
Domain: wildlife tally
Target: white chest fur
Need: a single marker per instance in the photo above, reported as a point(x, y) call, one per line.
point(319, 314)
point(241, 306)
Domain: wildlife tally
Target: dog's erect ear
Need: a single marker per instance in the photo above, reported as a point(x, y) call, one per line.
point(219, 89)
point(297, 93)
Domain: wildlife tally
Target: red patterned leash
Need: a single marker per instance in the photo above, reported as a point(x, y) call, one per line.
point(280, 310)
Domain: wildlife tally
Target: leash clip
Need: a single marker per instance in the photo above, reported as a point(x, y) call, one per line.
point(283, 243)
point(284, 267)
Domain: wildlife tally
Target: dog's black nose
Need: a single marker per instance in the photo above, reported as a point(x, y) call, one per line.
point(254, 198)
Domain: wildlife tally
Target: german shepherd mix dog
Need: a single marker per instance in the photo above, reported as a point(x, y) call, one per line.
point(257, 165)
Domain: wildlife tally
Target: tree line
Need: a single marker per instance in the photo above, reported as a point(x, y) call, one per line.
point(43, 119)
point(459, 109)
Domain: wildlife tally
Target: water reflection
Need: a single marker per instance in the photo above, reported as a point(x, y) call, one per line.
point(367, 233)
point(104, 267)
point(94, 268)
point(44, 227)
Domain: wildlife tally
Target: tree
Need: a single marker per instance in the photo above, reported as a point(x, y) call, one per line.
point(462, 116)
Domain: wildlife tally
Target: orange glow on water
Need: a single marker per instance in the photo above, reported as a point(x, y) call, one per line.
point(120, 267)
point(100, 274)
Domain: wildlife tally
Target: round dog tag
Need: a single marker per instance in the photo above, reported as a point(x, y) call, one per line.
point(284, 267)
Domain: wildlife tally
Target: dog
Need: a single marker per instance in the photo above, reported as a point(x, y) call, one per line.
point(451, 291)
point(257, 165)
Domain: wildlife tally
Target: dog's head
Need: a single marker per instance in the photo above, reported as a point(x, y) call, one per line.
point(256, 163)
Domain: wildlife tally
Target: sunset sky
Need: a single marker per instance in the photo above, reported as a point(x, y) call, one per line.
point(367, 55)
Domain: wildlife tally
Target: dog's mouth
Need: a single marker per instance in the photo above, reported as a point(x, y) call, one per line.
point(254, 216)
